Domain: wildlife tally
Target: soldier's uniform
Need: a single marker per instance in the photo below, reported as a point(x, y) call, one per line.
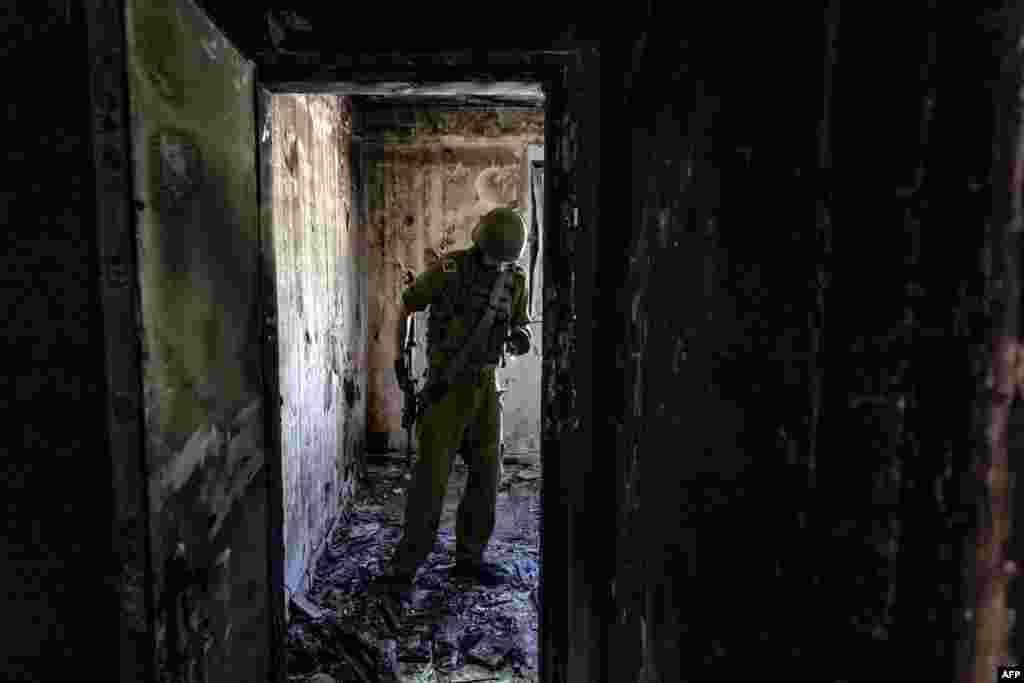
point(457, 289)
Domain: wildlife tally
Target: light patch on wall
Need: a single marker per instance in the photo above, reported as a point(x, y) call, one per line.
point(243, 460)
point(498, 185)
point(322, 115)
point(179, 470)
point(179, 170)
point(243, 457)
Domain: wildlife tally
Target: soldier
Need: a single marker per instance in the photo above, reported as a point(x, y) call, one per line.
point(458, 289)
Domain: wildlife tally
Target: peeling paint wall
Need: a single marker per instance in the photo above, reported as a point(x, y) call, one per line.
point(321, 304)
point(428, 186)
point(192, 98)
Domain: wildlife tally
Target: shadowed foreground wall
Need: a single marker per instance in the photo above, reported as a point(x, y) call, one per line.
point(63, 558)
point(193, 134)
point(790, 364)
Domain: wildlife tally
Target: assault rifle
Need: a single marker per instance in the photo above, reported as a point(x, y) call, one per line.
point(409, 409)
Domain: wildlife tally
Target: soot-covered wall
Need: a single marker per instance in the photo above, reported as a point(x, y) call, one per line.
point(321, 318)
point(798, 339)
point(72, 557)
point(427, 187)
point(193, 132)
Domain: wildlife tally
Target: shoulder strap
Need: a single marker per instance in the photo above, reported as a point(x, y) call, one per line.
point(479, 333)
point(482, 328)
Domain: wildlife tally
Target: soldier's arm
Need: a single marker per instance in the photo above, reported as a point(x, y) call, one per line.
point(417, 297)
point(519, 313)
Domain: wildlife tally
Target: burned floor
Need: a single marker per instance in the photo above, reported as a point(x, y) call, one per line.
point(449, 630)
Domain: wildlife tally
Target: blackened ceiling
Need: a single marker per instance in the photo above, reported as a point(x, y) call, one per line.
point(261, 26)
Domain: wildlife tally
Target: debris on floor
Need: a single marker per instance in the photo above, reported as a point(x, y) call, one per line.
point(448, 630)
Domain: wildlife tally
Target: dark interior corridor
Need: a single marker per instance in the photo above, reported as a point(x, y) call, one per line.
point(779, 389)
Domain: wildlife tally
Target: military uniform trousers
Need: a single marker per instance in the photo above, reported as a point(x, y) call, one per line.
point(467, 418)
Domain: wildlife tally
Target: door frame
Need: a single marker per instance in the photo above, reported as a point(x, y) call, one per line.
point(535, 160)
point(551, 69)
point(116, 212)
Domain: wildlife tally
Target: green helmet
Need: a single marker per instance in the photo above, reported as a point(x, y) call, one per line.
point(501, 234)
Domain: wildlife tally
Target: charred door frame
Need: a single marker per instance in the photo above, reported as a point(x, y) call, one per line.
point(276, 594)
point(314, 73)
point(130, 573)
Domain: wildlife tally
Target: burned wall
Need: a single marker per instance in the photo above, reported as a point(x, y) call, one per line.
point(193, 131)
point(577, 471)
point(427, 187)
point(900, 375)
point(797, 314)
point(321, 319)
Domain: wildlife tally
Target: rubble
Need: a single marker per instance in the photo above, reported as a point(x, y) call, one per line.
point(444, 631)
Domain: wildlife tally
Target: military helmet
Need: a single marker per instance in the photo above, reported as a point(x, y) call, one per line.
point(501, 234)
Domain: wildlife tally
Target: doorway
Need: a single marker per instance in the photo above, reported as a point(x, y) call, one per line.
point(421, 177)
point(216, 262)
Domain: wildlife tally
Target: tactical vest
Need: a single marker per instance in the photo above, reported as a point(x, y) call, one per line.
point(463, 301)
